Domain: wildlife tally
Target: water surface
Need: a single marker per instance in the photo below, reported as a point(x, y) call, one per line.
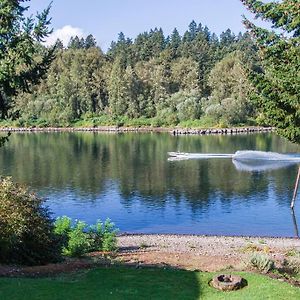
point(128, 178)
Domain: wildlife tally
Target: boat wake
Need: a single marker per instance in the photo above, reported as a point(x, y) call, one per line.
point(246, 160)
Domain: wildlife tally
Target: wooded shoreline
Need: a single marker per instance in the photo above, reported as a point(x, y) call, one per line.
point(116, 129)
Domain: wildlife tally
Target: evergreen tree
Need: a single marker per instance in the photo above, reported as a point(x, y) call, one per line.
point(156, 42)
point(193, 30)
point(23, 62)
point(174, 43)
point(122, 50)
point(227, 38)
point(59, 44)
point(76, 43)
point(279, 84)
point(90, 42)
point(117, 89)
point(140, 47)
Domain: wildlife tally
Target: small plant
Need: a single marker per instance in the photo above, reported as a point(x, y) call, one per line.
point(143, 245)
point(251, 248)
point(293, 252)
point(261, 262)
point(292, 265)
point(104, 236)
point(79, 239)
point(79, 242)
point(263, 242)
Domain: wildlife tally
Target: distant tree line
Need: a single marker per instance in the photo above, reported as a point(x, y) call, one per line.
point(197, 76)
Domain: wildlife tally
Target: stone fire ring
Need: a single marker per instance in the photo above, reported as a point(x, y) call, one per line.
point(228, 282)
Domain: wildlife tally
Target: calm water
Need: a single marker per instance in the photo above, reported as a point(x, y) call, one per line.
point(128, 178)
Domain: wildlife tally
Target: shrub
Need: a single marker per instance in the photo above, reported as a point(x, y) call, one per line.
point(63, 225)
point(261, 262)
point(26, 228)
point(292, 265)
point(80, 238)
point(104, 236)
point(79, 242)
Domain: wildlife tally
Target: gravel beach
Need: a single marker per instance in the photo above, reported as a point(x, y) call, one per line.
point(208, 253)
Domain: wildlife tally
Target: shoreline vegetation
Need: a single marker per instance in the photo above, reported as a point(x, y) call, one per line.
point(144, 129)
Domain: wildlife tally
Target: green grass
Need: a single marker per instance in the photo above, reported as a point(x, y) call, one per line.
point(126, 283)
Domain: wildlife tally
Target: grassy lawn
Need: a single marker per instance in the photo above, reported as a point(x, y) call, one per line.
point(127, 283)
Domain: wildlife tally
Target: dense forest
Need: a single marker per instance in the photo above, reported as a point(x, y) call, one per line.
point(198, 79)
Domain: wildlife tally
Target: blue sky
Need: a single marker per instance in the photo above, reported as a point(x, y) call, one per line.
point(105, 19)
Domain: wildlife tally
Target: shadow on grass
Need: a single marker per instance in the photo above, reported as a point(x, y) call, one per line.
point(107, 283)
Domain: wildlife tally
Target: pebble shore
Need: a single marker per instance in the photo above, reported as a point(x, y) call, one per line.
point(208, 245)
point(115, 129)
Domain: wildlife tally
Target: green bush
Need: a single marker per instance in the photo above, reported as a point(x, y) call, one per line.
point(104, 236)
point(79, 242)
point(26, 229)
point(63, 225)
point(80, 238)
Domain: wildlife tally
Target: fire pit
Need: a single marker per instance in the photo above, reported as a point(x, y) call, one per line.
point(228, 282)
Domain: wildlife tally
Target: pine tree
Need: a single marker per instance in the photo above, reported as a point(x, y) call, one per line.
point(76, 43)
point(227, 38)
point(193, 30)
point(175, 40)
point(23, 61)
point(279, 84)
point(117, 89)
point(90, 42)
point(59, 44)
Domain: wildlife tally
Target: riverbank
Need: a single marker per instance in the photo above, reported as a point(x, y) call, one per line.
point(189, 252)
point(116, 129)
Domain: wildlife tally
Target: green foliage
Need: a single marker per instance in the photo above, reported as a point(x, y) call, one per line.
point(279, 83)
point(261, 262)
point(155, 79)
point(63, 225)
point(104, 236)
point(23, 61)
point(26, 234)
point(80, 239)
point(231, 90)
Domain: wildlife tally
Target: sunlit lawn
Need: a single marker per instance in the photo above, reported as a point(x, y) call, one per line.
point(127, 283)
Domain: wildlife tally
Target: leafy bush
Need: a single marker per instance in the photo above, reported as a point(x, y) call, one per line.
point(104, 236)
point(80, 238)
point(261, 262)
point(79, 242)
point(63, 225)
point(27, 232)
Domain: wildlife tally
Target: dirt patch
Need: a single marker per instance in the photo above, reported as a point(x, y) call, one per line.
point(179, 260)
